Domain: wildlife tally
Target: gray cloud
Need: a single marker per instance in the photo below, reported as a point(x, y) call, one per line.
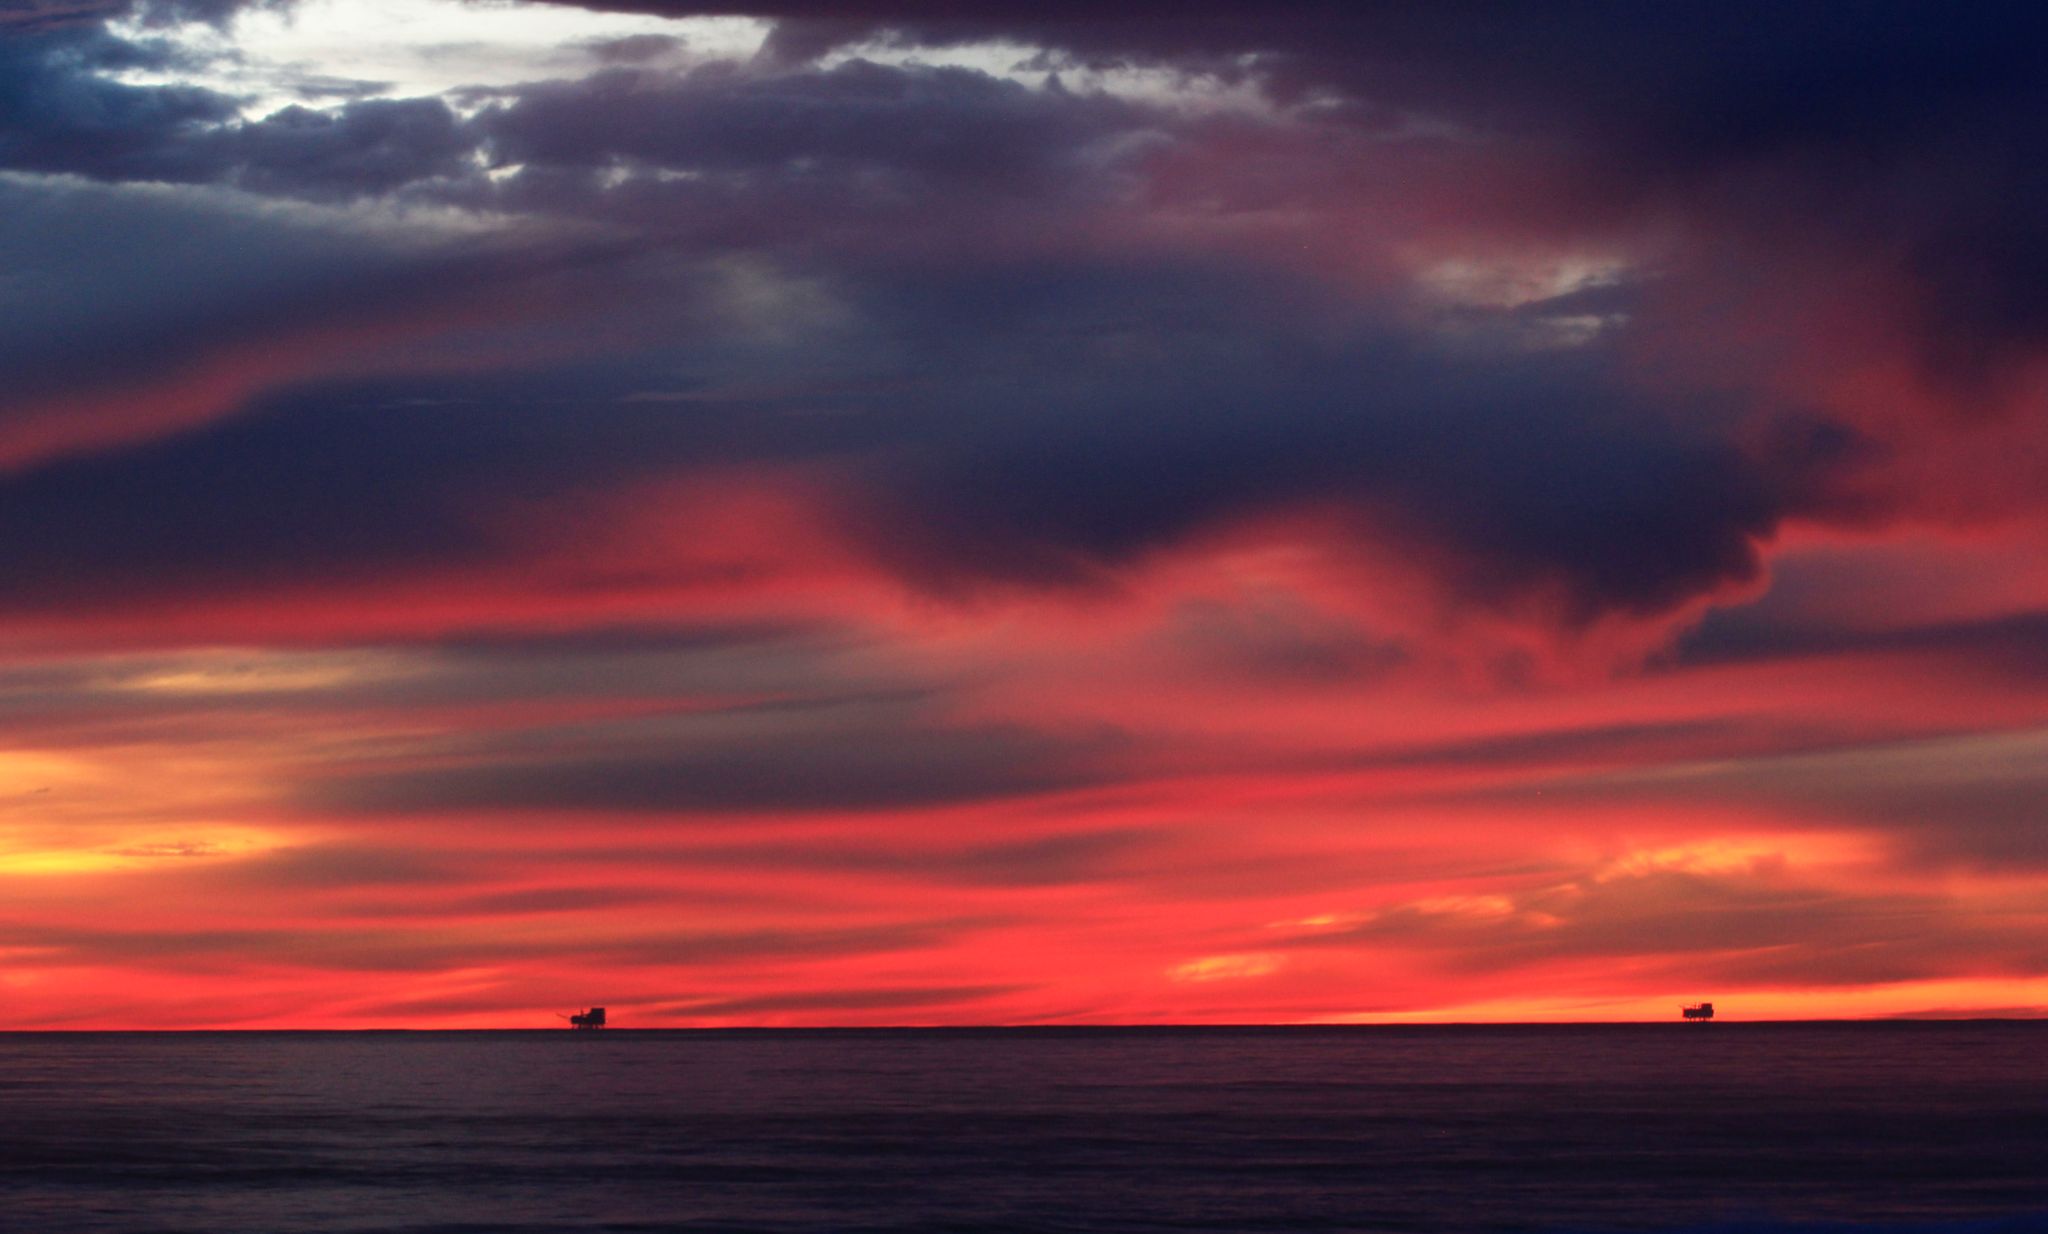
point(1759, 927)
point(1973, 799)
point(1053, 860)
point(883, 998)
point(873, 761)
point(1069, 416)
point(386, 949)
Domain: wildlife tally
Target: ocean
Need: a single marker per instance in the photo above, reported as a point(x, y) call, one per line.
point(1703, 1127)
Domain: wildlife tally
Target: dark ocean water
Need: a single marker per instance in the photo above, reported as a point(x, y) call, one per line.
point(1666, 1127)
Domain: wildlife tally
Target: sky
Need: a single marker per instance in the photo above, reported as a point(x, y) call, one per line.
point(888, 512)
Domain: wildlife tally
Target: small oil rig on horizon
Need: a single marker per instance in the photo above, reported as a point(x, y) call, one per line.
point(1691, 1011)
point(592, 1018)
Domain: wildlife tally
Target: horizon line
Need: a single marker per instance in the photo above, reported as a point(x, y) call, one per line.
point(1122, 1027)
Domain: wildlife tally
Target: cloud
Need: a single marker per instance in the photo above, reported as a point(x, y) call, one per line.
point(195, 301)
point(886, 998)
point(927, 125)
point(821, 756)
point(1971, 799)
point(60, 111)
point(1535, 477)
point(2017, 644)
point(1534, 485)
point(345, 865)
point(1763, 925)
point(362, 148)
point(1974, 799)
point(388, 949)
point(30, 15)
point(1782, 154)
point(1040, 861)
point(180, 848)
point(66, 110)
point(1078, 416)
point(1119, 474)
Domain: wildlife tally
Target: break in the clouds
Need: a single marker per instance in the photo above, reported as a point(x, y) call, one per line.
point(783, 512)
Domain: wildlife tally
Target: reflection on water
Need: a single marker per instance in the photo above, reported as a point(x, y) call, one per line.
point(1397, 1129)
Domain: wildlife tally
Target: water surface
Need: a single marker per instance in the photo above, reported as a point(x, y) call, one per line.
point(1646, 1127)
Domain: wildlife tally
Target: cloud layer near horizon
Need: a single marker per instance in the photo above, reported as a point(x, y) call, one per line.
point(853, 513)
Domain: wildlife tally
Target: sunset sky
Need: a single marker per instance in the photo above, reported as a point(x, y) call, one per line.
point(898, 512)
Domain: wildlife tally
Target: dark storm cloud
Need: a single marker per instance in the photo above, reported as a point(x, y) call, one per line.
point(59, 111)
point(1528, 488)
point(336, 482)
point(244, 507)
point(63, 111)
point(134, 311)
point(1062, 424)
point(367, 146)
point(1049, 455)
point(933, 121)
point(1747, 69)
point(1064, 419)
point(1894, 132)
point(1771, 139)
point(1898, 133)
point(825, 166)
point(1512, 476)
point(930, 123)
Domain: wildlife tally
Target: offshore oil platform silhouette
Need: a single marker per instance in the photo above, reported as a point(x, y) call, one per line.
point(1692, 1011)
point(593, 1018)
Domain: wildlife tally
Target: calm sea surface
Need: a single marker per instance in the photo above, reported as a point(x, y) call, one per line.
point(1667, 1127)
